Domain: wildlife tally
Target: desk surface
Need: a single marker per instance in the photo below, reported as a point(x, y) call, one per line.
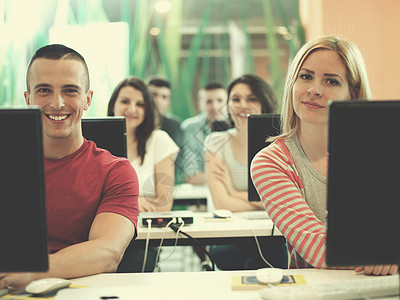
point(199, 285)
point(207, 227)
point(191, 191)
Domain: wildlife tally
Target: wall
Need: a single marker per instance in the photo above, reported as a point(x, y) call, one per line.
point(374, 25)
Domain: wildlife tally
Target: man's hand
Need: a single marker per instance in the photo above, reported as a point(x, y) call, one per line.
point(15, 280)
point(2, 284)
point(378, 269)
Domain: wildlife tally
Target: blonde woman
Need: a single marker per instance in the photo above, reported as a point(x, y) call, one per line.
point(291, 174)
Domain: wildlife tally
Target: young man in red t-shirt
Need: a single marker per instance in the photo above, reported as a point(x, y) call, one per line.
point(91, 195)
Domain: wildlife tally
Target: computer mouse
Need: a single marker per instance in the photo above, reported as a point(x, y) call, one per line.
point(269, 275)
point(222, 213)
point(46, 285)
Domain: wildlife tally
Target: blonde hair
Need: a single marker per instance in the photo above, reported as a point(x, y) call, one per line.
point(356, 76)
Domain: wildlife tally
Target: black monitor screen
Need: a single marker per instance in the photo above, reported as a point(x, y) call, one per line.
point(363, 183)
point(22, 200)
point(108, 133)
point(260, 127)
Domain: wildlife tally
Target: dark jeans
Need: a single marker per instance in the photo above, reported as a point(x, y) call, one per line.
point(247, 257)
point(132, 262)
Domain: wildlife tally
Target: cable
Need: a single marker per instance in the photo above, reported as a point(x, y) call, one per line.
point(174, 227)
point(289, 254)
point(147, 243)
point(290, 257)
point(259, 250)
point(173, 220)
point(176, 241)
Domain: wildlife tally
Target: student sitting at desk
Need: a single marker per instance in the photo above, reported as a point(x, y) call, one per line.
point(152, 152)
point(91, 195)
point(160, 90)
point(227, 168)
point(212, 106)
point(291, 174)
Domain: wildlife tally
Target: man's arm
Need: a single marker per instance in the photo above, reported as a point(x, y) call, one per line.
point(109, 236)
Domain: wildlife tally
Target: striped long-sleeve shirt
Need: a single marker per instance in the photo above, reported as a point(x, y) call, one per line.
point(279, 185)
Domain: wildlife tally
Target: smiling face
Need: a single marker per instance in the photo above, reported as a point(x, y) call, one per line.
point(58, 87)
point(321, 78)
point(242, 102)
point(130, 104)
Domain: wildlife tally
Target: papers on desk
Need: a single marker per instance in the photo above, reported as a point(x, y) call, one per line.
point(3, 292)
point(251, 283)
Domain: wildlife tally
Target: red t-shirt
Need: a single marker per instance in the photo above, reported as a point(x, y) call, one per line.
point(83, 184)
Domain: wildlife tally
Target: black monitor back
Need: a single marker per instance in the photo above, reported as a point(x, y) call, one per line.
point(363, 183)
point(108, 133)
point(221, 125)
point(260, 127)
point(22, 187)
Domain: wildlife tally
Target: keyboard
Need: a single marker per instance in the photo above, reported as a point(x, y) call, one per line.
point(377, 286)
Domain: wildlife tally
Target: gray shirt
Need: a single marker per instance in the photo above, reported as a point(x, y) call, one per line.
point(314, 183)
point(191, 158)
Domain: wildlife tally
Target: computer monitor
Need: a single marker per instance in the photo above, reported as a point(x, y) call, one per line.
point(220, 125)
point(363, 183)
point(260, 127)
point(22, 192)
point(108, 133)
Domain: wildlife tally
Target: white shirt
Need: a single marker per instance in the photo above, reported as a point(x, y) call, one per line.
point(219, 143)
point(159, 146)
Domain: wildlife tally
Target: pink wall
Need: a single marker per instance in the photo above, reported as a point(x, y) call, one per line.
point(374, 25)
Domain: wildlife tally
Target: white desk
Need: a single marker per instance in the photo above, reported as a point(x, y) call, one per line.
point(196, 197)
point(199, 285)
point(209, 230)
point(191, 191)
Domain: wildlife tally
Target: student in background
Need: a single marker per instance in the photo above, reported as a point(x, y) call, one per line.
point(160, 90)
point(227, 171)
point(91, 195)
point(291, 174)
point(151, 152)
point(212, 107)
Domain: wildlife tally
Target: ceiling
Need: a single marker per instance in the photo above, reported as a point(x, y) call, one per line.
point(222, 10)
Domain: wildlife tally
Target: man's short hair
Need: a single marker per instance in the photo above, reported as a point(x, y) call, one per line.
point(158, 82)
point(58, 52)
point(214, 86)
